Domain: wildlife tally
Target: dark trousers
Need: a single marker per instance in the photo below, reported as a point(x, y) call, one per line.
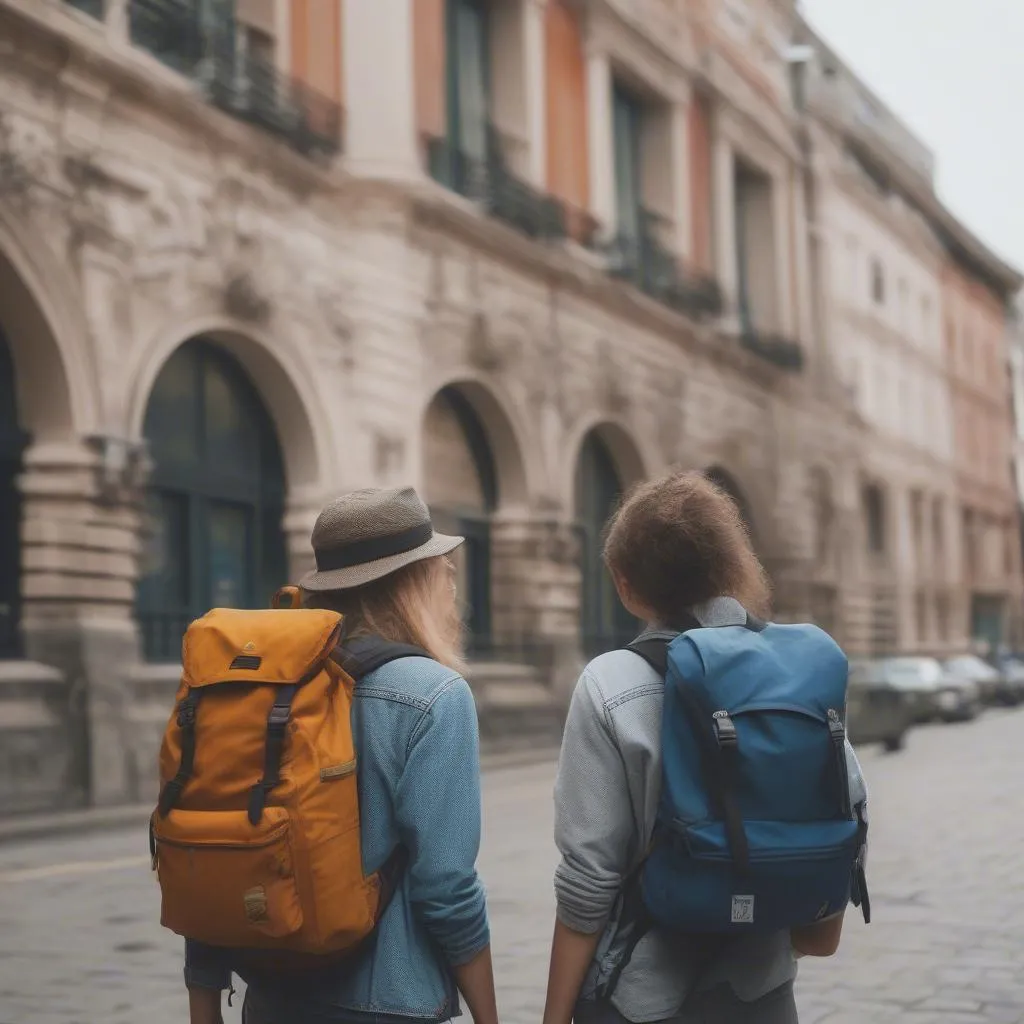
point(719, 1005)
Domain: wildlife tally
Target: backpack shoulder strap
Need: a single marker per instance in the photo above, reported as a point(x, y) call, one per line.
point(363, 655)
point(654, 650)
point(653, 646)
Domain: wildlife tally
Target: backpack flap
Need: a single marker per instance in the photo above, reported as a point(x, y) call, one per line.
point(268, 646)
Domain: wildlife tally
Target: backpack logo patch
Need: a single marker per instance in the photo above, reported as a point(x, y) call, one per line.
point(743, 910)
point(255, 904)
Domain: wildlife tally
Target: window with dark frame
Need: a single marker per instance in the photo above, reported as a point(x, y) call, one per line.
point(215, 500)
point(877, 282)
point(873, 501)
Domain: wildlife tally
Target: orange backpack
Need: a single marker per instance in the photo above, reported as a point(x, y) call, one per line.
point(256, 838)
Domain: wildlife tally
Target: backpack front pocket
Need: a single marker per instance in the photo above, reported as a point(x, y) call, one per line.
point(224, 881)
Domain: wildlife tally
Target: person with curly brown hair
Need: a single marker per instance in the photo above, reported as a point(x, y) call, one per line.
point(678, 551)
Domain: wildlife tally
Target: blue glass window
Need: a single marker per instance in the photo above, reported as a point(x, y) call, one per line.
point(216, 498)
point(604, 622)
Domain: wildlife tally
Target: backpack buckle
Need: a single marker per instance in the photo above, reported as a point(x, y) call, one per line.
point(278, 717)
point(186, 715)
point(725, 730)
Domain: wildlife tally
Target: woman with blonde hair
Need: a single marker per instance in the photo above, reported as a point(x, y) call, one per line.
point(680, 557)
point(382, 567)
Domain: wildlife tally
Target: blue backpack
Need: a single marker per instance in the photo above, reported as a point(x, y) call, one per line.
point(755, 830)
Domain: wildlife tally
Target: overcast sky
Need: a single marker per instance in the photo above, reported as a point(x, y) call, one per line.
point(953, 70)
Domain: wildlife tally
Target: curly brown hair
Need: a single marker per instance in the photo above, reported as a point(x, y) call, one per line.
point(680, 541)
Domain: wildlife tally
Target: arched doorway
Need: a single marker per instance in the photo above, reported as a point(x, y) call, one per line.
point(461, 487)
point(725, 480)
point(604, 623)
point(12, 446)
point(215, 500)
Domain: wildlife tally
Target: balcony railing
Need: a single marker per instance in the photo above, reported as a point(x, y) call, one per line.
point(94, 8)
point(254, 90)
point(172, 31)
point(489, 181)
point(247, 87)
point(162, 633)
point(783, 352)
point(654, 269)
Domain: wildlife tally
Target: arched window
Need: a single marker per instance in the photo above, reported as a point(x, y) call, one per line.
point(461, 486)
point(874, 510)
point(723, 479)
point(604, 623)
point(216, 497)
point(12, 445)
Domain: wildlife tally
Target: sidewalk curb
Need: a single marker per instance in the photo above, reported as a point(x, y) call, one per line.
point(31, 827)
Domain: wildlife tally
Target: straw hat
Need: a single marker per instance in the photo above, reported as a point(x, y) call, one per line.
point(367, 534)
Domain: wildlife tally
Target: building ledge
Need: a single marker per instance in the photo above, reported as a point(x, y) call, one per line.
point(559, 264)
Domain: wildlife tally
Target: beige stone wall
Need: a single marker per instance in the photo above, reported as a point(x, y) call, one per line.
point(350, 314)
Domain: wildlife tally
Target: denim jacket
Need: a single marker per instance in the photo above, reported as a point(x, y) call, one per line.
point(416, 736)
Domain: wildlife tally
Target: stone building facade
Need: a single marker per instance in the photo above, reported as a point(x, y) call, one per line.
point(1017, 391)
point(519, 253)
point(889, 284)
point(978, 320)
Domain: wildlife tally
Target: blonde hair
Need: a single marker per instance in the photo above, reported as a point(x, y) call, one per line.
point(402, 607)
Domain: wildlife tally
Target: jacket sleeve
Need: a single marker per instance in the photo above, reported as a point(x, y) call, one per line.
point(595, 831)
point(439, 819)
point(206, 967)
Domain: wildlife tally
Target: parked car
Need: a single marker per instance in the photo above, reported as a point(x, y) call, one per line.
point(937, 695)
point(875, 711)
point(994, 684)
point(1012, 668)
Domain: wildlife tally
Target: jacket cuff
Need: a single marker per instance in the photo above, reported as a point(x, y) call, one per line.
point(584, 925)
point(468, 945)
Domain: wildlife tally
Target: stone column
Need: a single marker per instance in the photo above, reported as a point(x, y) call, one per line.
point(535, 66)
point(803, 297)
point(377, 58)
point(782, 208)
point(81, 524)
point(601, 141)
point(299, 518)
point(902, 558)
point(283, 36)
point(680, 164)
point(536, 593)
point(723, 196)
point(115, 15)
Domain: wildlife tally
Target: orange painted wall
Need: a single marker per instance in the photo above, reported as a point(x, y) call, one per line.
point(700, 185)
point(429, 54)
point(316, 46)
point(568, 175)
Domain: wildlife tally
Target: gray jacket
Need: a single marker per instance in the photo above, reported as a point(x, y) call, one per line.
point(606, 799)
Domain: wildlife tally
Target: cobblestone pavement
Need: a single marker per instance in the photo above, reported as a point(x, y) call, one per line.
point(79, 943)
